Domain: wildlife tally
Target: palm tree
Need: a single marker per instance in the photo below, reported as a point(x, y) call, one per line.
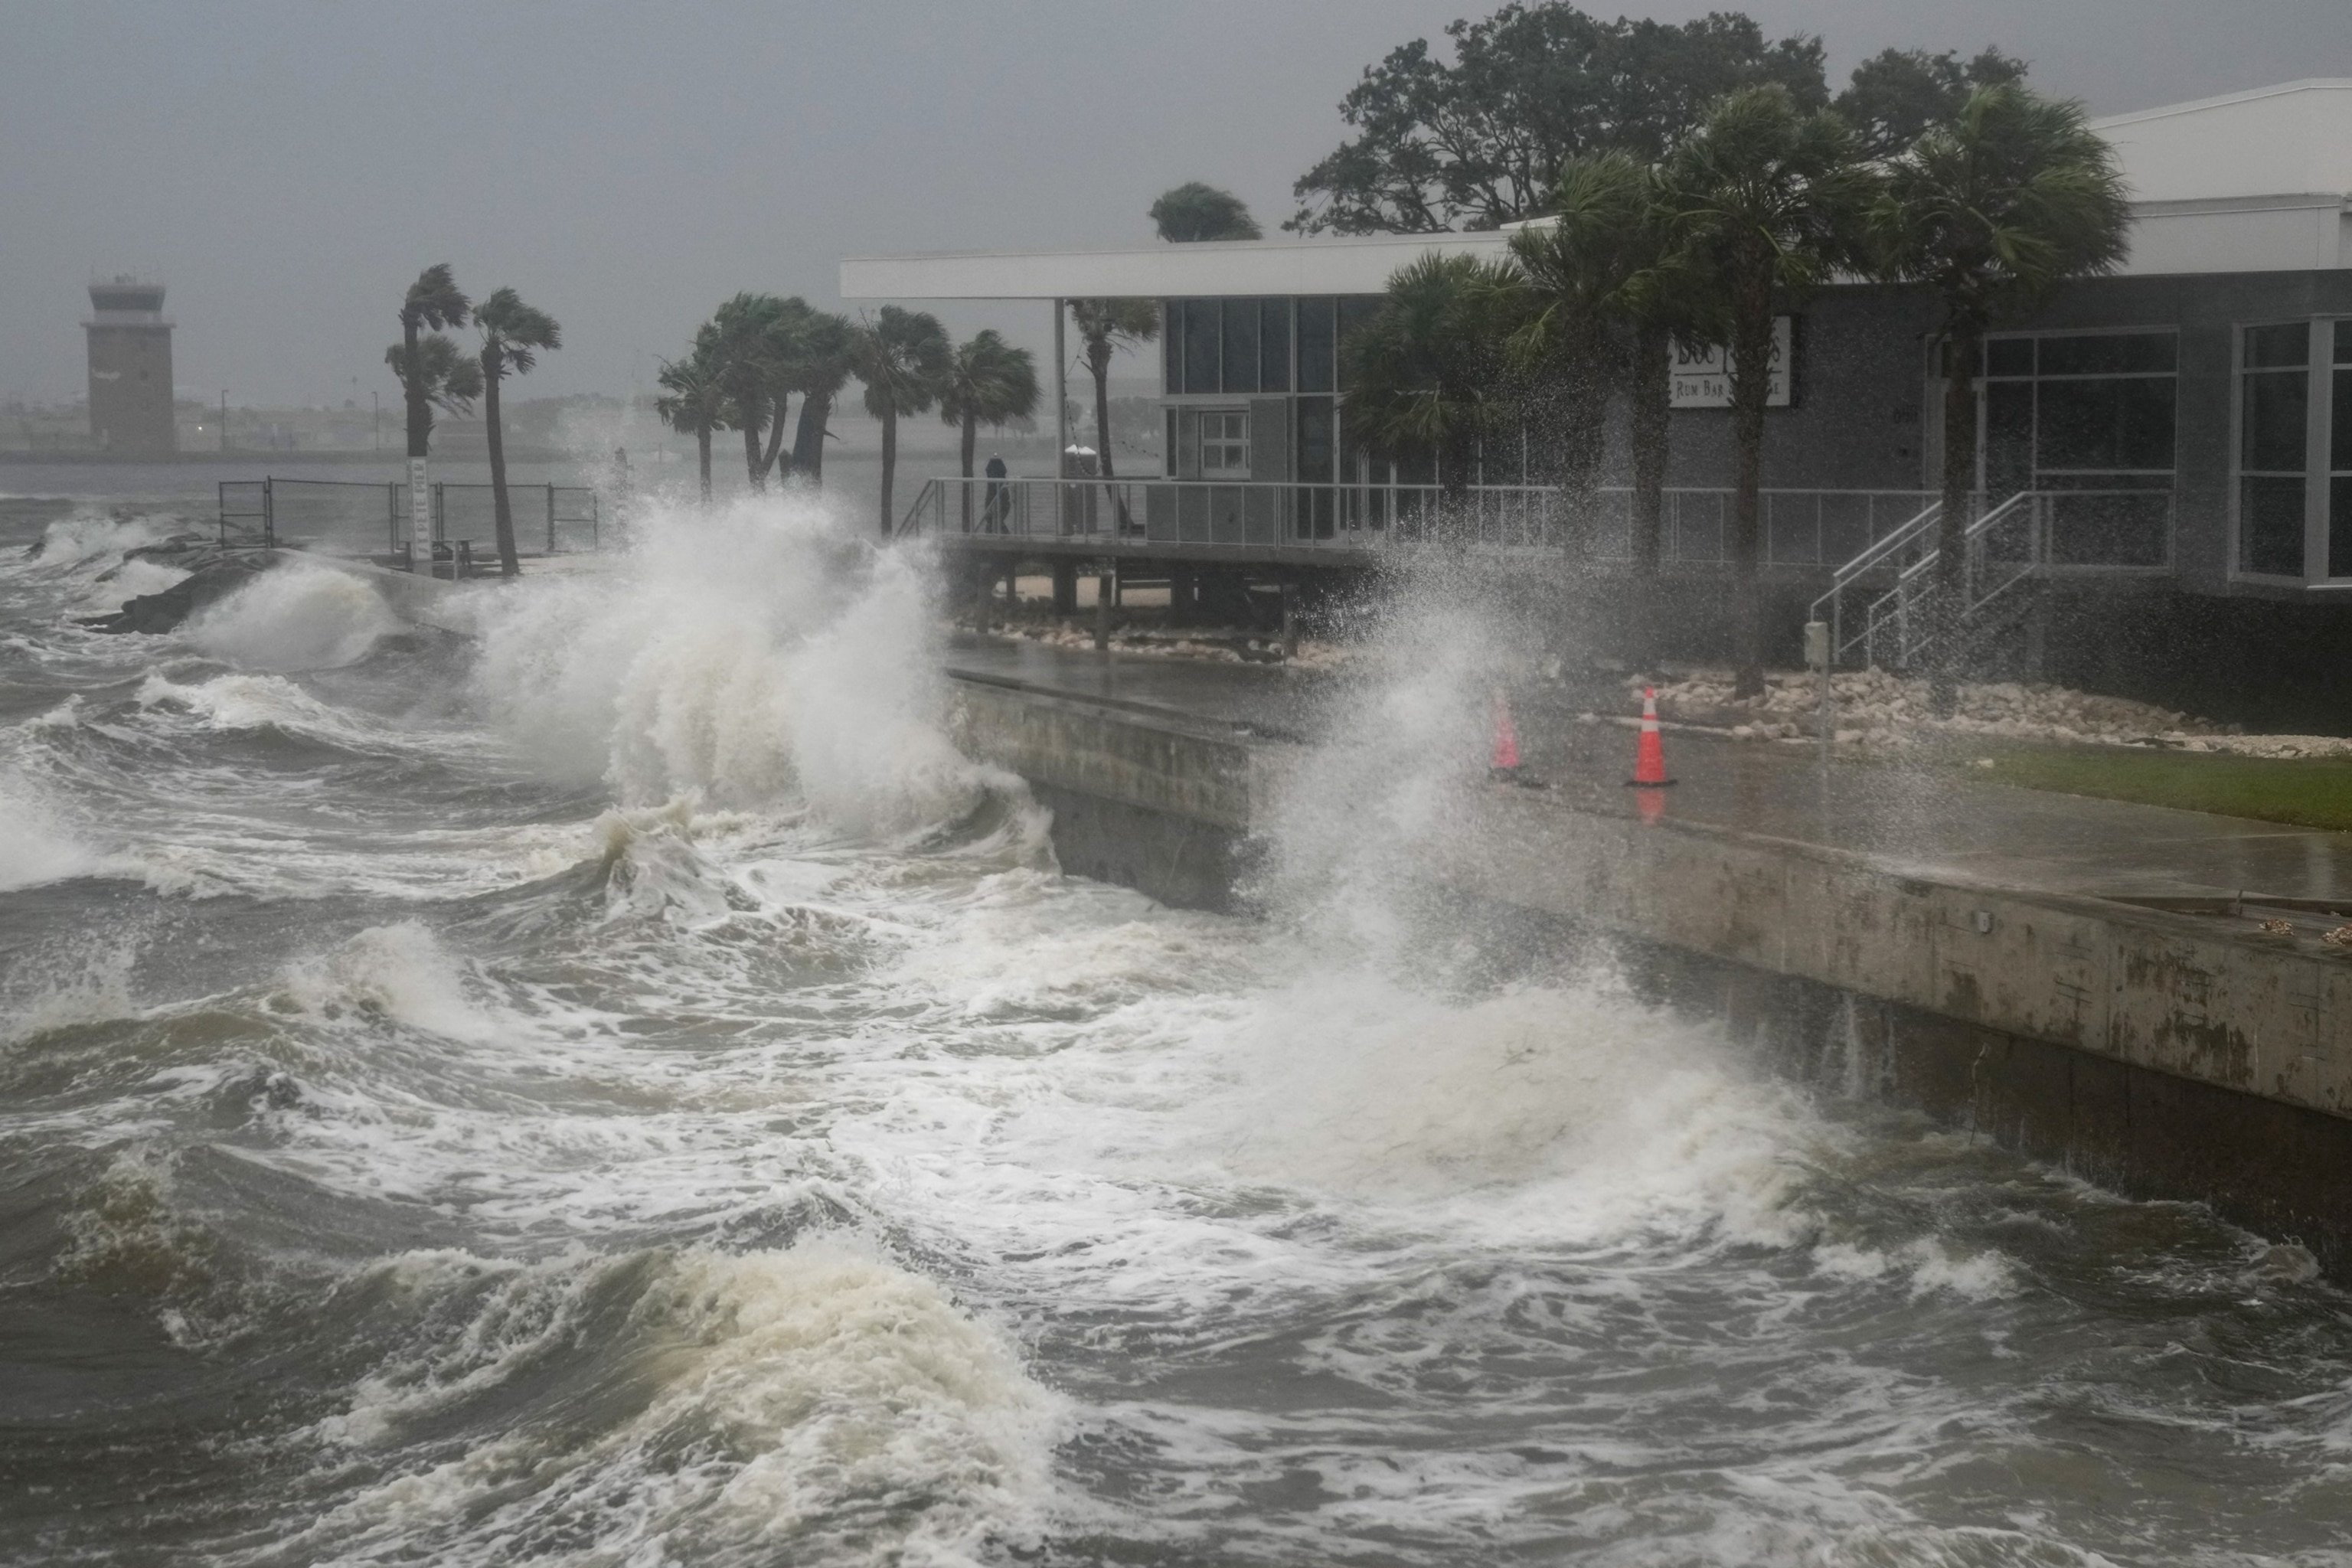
point(1573, 273)
point(436, 374)
point(512, 335)
point(1426, 371)
point(1993, 211)
point(695, 400)
point(752, 339)
point(432, 301)
point(989, 381)
point(902, 356)
point(1770, 198)
point(820, 368)
point(1194, 211)
point(1103, 327)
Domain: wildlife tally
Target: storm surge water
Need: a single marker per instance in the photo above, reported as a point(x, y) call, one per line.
point(609, 1083)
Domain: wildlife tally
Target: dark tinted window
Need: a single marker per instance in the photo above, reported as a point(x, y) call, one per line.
point(1172, 346)
point(1355, 310)
point(2118, 424)
point(2272, 423)
point(1202, 337)
point(1241, 345)
point(2344, 343)
point(2287, 343)
point(1274, 345)
point(2009, 356)
point(2269, 526)
point(1315, 440)
point(2108, 353)
point(1315, 345)
point(2339, 528)
point(2339, 446)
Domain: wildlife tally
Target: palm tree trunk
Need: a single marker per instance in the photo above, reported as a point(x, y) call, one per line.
point(1100, 364)
point(971, 447)
point(420, 415)
point(1751, 386)
point(702, 449)
point(1652, 397)
point(1963, 343)
point(759, 474)
point(775, 442)
point(889, 462)
point(808, 436)
point(510, 566)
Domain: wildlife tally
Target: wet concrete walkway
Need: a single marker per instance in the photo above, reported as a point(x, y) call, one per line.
point(1931, 819)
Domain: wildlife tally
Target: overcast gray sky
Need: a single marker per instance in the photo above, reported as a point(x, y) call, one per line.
point(288, 167)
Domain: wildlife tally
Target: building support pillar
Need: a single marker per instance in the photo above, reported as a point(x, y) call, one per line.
point(1065, 585)
point(1106, 589)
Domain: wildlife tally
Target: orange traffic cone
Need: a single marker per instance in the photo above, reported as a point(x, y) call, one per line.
point(1650, 751)
point(1506, 765)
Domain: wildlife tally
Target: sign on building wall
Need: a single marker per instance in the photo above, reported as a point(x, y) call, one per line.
point(1703, 374)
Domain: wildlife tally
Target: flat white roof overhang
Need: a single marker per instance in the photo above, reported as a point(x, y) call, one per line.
point(1159, 271)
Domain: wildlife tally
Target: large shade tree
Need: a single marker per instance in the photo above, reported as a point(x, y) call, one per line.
point(1481, 141)
point(1768, 199)
point(1993, 211)
point(1897, 93)
point(989, 381)
point(1427, 371)
point(513, 336)
point(903, 358)
point(1195, 211)
point(694, 400)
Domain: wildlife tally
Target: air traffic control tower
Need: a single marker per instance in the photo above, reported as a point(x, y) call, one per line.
point(129, 368)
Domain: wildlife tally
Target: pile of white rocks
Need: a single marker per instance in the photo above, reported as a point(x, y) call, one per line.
point(1212, 646)
point(1875, 708)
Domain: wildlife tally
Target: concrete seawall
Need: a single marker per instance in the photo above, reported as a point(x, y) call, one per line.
point(2164, 1054)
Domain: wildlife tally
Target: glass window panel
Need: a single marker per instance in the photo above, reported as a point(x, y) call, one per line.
point(1315, 452)
point(2289, 342)
point(1171, 447)
point(2106, 424)
point(1203, 335)
point(1172, 347)
point(2009, 356)
point(1241, 345)
point(2272, 413)
point(2339, 442)
point(2108, 353)
point(1225, 444)
point(2270, 525)
point(2109, 530)
point(1274, 345)
point(2344, 343)
point(1315, 345)
point(1355, 310)
point(2339, 526)
point(2009, 436)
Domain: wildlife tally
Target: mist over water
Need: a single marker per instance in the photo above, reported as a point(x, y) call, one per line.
point(612, 1085)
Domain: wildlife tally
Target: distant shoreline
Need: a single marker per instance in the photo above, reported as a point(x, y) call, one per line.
point(249, 456)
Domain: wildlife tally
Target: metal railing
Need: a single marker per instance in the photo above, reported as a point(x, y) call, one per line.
point(1798, 528)
point(1884, 606)
point(358, 517)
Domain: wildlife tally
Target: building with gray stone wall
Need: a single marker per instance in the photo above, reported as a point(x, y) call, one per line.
point(130, 369)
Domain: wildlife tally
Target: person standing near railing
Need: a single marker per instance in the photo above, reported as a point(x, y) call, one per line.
point(992, 512)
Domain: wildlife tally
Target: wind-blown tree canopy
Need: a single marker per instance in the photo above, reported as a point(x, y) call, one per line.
point(1897, 93)
point(1993, 211)
point(1768, 199)
point(903, 358)
point(754, 337)
point(989, 381)
point(1481, 142)
point(449, 380)
point(433, 302)
point(1105, 326)
point(820, 367)
point(1428, 372)
point(1194, 211)
point(694, 400)
point(513, 333)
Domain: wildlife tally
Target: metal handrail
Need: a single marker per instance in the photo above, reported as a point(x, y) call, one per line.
point(1142, 513)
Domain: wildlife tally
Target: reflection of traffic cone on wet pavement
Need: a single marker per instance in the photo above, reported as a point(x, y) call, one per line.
point(1506, 765)
point(1650, 751)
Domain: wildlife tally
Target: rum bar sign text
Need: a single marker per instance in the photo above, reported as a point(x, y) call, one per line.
point(1702, 372)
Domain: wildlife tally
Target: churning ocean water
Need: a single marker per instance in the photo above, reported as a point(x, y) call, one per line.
point(612, 1085)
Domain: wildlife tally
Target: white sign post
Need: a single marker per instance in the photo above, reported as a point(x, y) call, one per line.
point(1702, 373)
point(420, 519)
